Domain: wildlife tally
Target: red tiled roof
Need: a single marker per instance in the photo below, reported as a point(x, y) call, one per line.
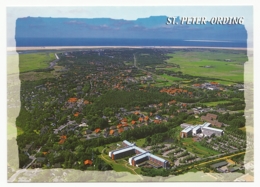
point(72, 100)
point(111, 132)
point(88, 162)
point(157, 121)
point(119, 125)
point(76, 114)
point(120, 130)
point(62, 139)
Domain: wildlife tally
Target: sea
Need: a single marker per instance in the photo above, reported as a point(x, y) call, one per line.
point(41, 42)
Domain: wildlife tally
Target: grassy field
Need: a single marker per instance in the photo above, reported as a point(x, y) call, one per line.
point(194, 121)
point(171, 78)
point(193, 63)
point(120, 165)
point(31, 76)
point(212, 104)
point(34, 61)
point(140, 142)
point(198, 149)
point(129, 63)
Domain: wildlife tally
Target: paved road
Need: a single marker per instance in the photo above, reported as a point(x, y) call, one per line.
point(18, 172)
point(53, 63)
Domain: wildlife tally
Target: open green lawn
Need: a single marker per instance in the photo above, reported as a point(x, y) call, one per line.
point(34, 61)
point(198, 149)
point(171, 78)
point(129, 63)
point(194, 121)
point(191, 61)
point(212, 104)
point(140, 142)
point(32, 76)
point(118, 165)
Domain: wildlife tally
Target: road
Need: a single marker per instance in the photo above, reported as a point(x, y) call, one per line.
point(18, 172)
point(221, 158)
point(53, 63)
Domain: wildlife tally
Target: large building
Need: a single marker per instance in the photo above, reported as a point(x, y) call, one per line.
point(204, 129)
point(141, 155)
point(211, 118)
point(186, 132)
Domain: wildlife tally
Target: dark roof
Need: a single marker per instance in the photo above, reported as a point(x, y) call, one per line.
point(219, 164)
point(233, 169)
point(40, 159)
point(57, 165)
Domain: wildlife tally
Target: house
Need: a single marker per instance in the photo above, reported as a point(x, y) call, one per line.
point(62, 139)
point(28, 148)
point(106, 134)
point(88, 131)
point(158, 117)
point(88, 162)
point(97, 130)
point(57, 165)
point(120, 130)
point(156, 121)
point(146, 118)
point(186, 132)
point(119, 126)
point(113, 127)
point(111, 132)
point(212, 118)
point(116, 134)
point(219, 164)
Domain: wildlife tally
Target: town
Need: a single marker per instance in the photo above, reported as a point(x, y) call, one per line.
point(135, 110)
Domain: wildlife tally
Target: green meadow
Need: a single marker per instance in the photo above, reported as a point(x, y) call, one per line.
point(34, 61)
point(212, 104)
point(171, 78)
point(197, 148)
point(194, 63)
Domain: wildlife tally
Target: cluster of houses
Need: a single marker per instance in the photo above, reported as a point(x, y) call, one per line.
point(209, 86)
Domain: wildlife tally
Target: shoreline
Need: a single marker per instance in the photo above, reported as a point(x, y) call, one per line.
point(14, 49)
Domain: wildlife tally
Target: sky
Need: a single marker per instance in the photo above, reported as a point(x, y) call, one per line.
point(127, 13)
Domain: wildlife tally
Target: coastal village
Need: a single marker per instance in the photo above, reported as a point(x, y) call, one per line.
point(104, 96)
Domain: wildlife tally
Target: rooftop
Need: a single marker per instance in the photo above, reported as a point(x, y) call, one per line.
point(213, 129)
point(187, 129)
point(124, 149)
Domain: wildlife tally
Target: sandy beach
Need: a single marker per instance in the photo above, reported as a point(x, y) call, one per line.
point(114, 47)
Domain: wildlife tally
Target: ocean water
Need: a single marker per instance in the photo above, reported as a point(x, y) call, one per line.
point(31, 42)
